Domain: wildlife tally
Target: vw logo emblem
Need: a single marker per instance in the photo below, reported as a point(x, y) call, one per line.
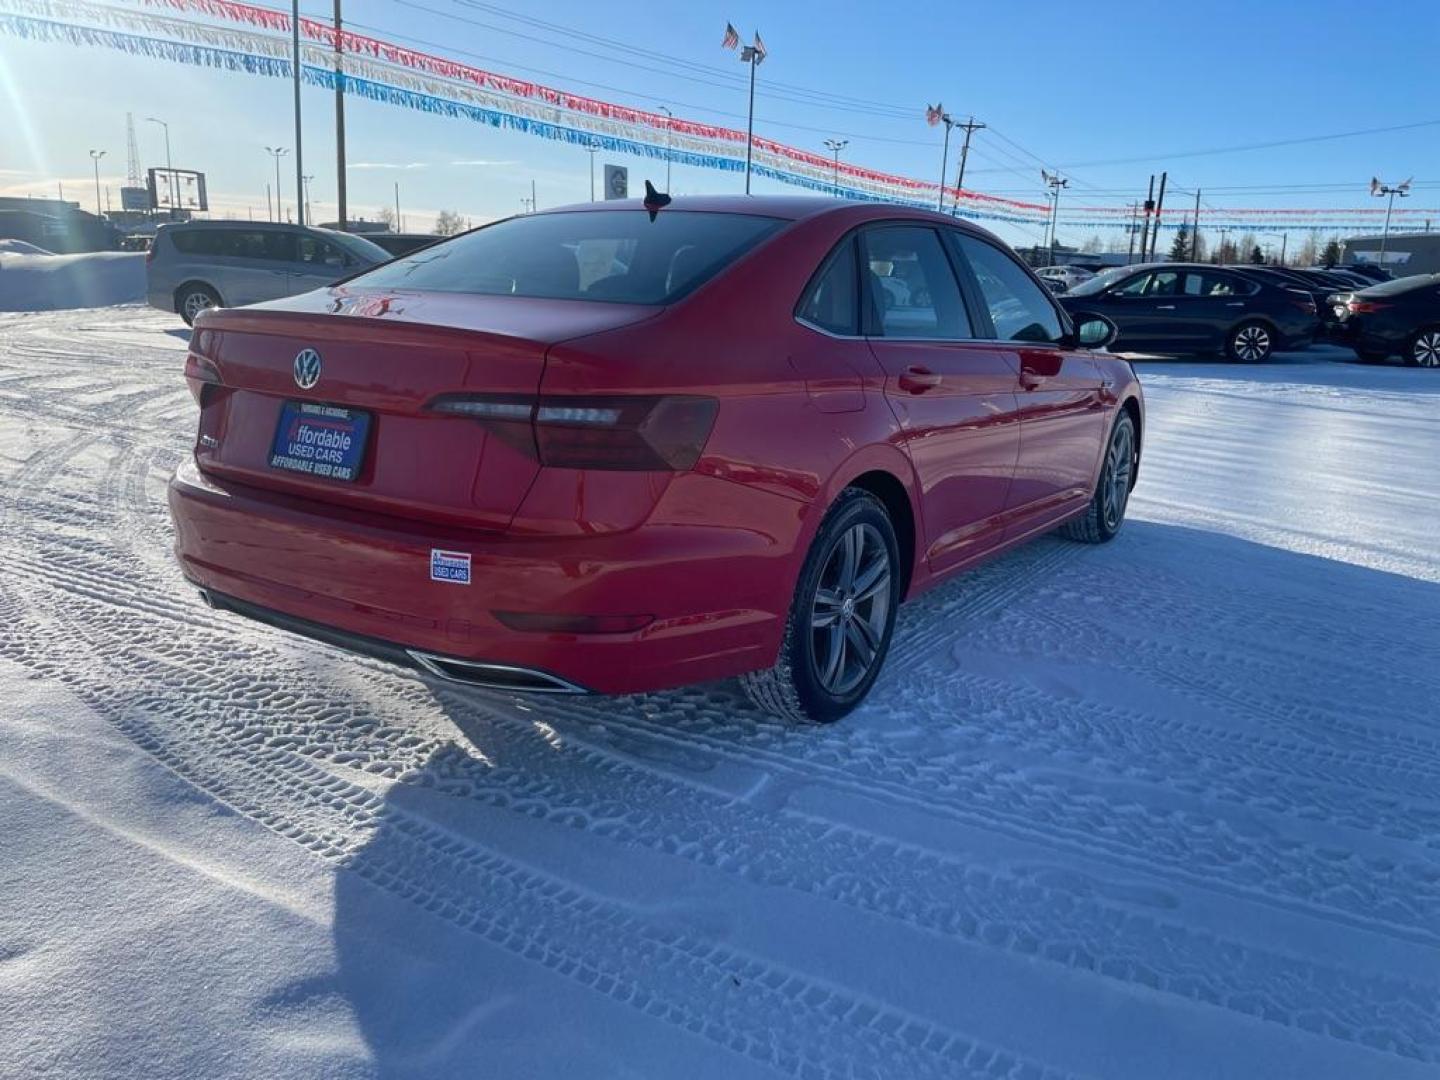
point(307, 368)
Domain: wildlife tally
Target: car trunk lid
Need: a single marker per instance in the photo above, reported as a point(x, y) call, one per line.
point(385, 356)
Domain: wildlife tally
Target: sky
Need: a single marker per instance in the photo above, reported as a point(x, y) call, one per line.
point(1106, 93)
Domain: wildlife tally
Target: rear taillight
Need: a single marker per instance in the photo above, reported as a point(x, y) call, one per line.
point(613, 432)
point(200, 374)
point(1365, 307)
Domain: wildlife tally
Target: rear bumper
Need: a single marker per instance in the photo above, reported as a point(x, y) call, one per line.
point(718, 595)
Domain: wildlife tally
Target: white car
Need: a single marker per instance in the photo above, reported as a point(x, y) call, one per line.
point(1065, 276)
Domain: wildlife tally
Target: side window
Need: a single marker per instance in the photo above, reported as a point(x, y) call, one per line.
point(1019, 309)
point(1163, 283)
point(912, 285)
point(831, 302)
point(319, 252)
point(1134, 287)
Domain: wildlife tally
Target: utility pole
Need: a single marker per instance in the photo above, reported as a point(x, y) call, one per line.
point(295, 71)
point(1195, 236)
point(95, 156)
point(1159, 210)
point(1054, 183)
point(534, 203)
point(397, 206)
point(592, 148)
point(277, 152)
point(269, 207)
point(669, 142)
point(970, 127)
point(340, 119)
point(1380, 190)
point(1134, 212)
point(1145, 230)
point(835, 146)
point(306, 181)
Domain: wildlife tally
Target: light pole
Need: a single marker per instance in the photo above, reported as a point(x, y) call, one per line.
point(305, 180)
point(300, 199)
point(95, 156)
point(936, 114)
point(753, 55)
point(277, 152)
point(1378, 190)
point(1054, 183)
point(835, 146)
point(169, 165)
point(593, 148)
point(669, 142)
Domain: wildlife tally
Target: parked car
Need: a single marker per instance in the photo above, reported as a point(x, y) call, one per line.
point(1317, 286)
point(1066, 276)
point(1367, 270)
point(1400, 316)
point(195, 265)
point(1185, 308)
point(505, 462)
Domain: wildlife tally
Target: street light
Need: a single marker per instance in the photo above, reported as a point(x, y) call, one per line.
point(593, 149)
point(277, 152)
point(835, 146)
point(169, 165)
point(1379, 190)
point(306, 181)
point(95, 156)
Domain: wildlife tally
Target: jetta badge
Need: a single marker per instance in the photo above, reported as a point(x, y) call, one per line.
point(307, 368)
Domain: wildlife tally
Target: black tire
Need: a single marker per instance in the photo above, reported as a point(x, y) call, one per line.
point(194, 297)
point(1252, 342)
point(1424, 348)
point(1106, 513)
point(796, 688)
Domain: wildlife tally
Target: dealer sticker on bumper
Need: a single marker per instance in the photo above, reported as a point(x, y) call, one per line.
point(451, 566)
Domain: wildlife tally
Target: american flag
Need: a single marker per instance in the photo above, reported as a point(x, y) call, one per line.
point(732, 38)
point(759, 48)
point(934, 114)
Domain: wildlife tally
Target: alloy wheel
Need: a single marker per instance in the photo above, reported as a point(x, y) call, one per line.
point(1119, 466)
point(1252, 343)
point(851, 608)
point(195, 303)
point(1426, 350)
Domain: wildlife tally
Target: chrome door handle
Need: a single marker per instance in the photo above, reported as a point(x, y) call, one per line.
point(1164, 307)
point(1236, 303)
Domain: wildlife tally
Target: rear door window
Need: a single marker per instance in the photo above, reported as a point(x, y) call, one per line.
point(316, 252)
point(831, 301)
point(619, 256)
point(912, 286)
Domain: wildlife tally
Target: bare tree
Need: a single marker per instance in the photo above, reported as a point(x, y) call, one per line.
point(448, 223)
point(386, 214)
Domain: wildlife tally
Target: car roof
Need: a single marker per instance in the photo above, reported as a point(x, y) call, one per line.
point(786, 207)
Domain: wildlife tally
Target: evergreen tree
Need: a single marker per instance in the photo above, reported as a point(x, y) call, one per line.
point(1257, 257)
point(1180, 249)
point(1332, 254)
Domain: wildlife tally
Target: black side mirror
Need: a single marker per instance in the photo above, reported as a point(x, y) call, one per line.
point(1094, 331)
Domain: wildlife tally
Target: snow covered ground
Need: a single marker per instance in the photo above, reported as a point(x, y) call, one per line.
point(1167, 808)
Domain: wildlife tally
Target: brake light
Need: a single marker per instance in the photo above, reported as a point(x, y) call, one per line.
point(200, 373)
point(612, 432)
point(1365, 307)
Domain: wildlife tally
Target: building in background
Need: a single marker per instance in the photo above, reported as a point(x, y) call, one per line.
point(1405, 253)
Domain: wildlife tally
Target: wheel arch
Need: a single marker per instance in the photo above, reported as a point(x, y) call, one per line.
point(1131, 405)
point(897, 499)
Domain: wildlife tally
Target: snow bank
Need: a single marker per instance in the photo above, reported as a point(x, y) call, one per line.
point(31, 282)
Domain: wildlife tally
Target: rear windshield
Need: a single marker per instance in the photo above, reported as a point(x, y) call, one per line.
point(618, 256)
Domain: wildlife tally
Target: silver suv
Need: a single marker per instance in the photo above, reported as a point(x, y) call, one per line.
point(201, 264)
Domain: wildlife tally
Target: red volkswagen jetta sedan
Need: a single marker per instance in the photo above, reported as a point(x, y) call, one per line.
point(619, 448)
